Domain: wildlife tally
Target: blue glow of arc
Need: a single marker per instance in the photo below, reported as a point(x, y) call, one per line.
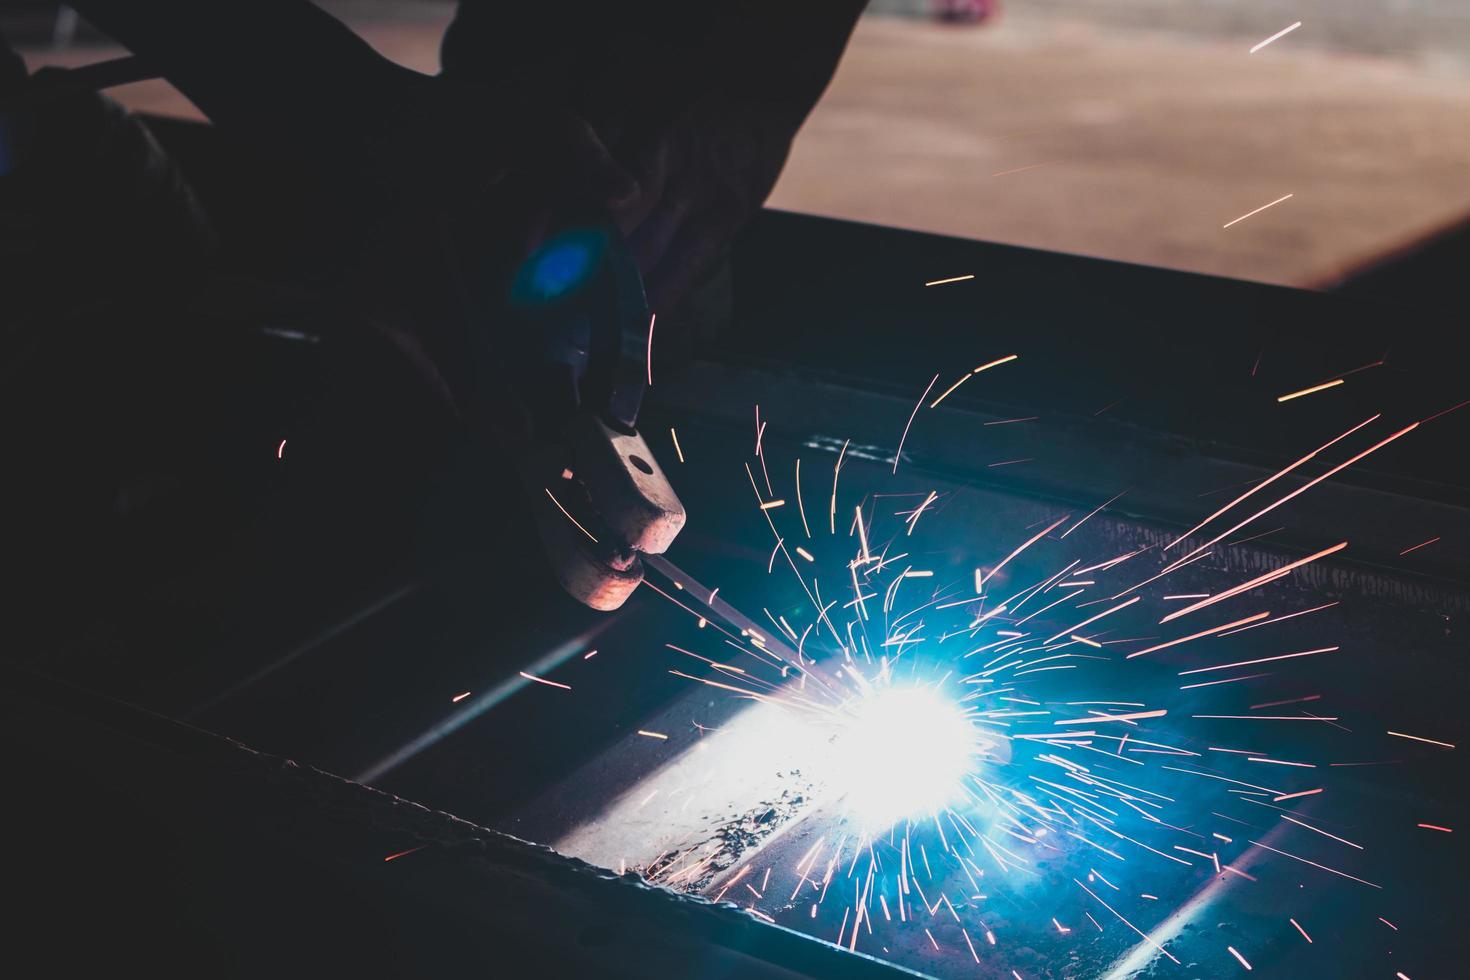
point(560, 266)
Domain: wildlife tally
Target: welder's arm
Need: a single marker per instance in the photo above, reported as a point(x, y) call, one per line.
point(295, 83)
point(712, 164)
point(276, 73)
point(701, 100)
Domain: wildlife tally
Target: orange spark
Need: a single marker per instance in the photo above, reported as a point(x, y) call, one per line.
point(1319, 830)
point(1270, 480)
point(1256, 211)
point(1279, 34)
point(1258, 580)
point(898, 454)
point(542, 680)
point(836, 471)
point(799, 505)
point(1315, 864)
point(1310, 391)
point(1146, 937)
point(995, 363)
point(1092, 513)
point(1100, 718)
point(914, 518)
point(1282, 619)
point(1032, 540)
point(568, 515)
point(1312, 483)
point(1416, 738)
point(1106, 612)
point(400, 854)
point(1262, 660)
point(1270, 717)
point(651, 320)
point(963, 378)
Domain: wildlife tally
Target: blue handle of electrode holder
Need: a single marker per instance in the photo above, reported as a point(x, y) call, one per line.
point(583, 322)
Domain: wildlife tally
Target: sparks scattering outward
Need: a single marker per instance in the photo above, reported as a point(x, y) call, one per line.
point(1258, 210)
point(1253, 583)
point(1304, 488)
point(1430, 741)
point(1276, 37)
point(898, 453)
point(1236, 953)
point(948, 391)
point(394, 857)
point(651, 319)
point(1421, 544)
point(1310, 391)
point(976, 739)
point(1256, 488)
point(568, 514)
point(1093, 513)
point(996, 363)
point(966, 377)
point(542, 680)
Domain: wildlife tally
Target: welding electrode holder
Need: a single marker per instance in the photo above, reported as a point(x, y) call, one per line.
point(579, 338)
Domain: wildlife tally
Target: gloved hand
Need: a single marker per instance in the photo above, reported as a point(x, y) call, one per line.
point(700, 177)
point(454, 188)
point(444, 143)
